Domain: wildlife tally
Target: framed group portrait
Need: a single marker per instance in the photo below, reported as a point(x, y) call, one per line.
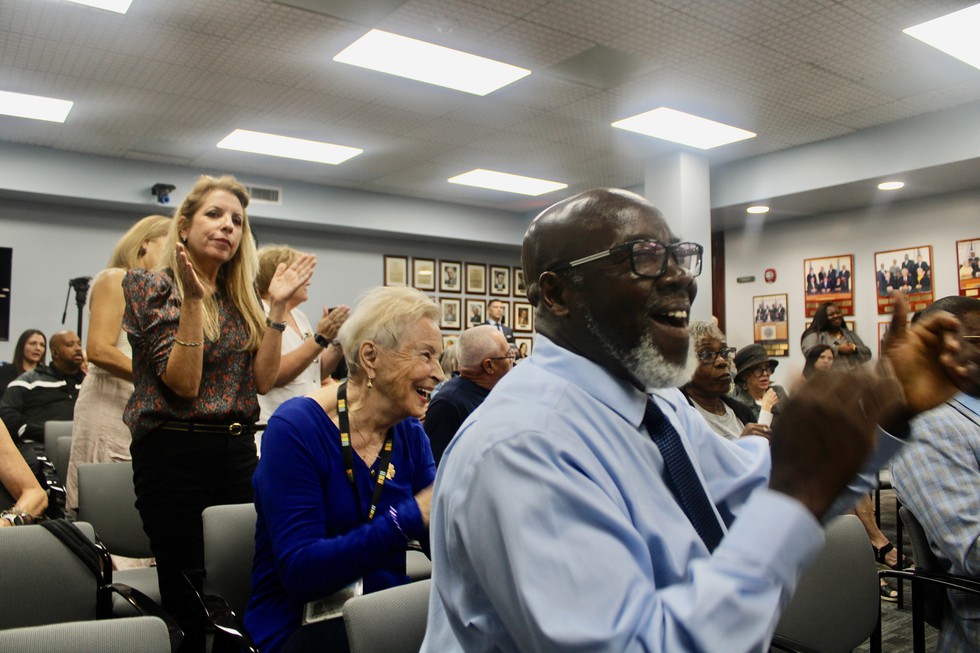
point(450, 276)
point(451, 312)
point(968, 266)
point(476, 312)
point(907, 270)
point(476, 278)
point(500, 281)
point(396, 270)
point(523, 317)
point(770, 322)
point(829, 279)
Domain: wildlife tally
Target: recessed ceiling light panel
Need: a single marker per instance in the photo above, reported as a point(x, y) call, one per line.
point(35, 107)
point(891, 185)
point(507, 182)
point(759, 208)
point(955, 34)
point(118, 6)
point(679, 127)
point(244, 140)
point(429, 63)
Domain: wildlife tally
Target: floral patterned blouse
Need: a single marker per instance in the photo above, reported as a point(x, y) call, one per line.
point(227, 391)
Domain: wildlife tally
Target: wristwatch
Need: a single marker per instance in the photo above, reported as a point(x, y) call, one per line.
point(323, 342)
point(278, 326)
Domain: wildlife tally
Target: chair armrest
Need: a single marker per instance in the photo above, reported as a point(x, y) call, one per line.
point(782, 643)
point(949, 581)
point(146, 606)
point(227, 625)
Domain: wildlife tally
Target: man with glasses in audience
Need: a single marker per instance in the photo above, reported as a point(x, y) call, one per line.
point(587, 506)
point(484, 358)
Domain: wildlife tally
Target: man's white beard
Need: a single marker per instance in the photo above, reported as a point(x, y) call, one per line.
point(645, 363)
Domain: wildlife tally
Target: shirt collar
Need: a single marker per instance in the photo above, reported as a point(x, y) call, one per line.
point(596, 381)
point(973, 403)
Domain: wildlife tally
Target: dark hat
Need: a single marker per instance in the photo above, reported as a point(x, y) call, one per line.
point(750, 356)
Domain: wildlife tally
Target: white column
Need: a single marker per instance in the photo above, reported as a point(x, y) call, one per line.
point(679, 185)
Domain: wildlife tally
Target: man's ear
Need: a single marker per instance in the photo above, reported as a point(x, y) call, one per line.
point(553, 291)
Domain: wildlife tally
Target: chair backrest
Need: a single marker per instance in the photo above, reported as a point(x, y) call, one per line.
point(392, 620)
point(52, 431)
point(144, 634)
point(42, 581)
point(107, 500)
point(60, 457)
point(229, 546)
point(934, 595)
point(836, 604)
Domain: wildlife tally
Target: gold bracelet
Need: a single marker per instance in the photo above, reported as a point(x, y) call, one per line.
point(188, 344)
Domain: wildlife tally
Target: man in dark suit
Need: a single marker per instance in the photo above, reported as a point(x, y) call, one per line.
point(495, 315)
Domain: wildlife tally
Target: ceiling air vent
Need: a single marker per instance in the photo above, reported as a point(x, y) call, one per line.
point(264, 195)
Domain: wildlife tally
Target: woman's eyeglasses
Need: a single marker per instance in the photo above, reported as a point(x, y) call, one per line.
point(708, 356)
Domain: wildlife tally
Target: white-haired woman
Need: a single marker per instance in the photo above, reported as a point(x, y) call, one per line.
point(203, 349)
point(346, 478)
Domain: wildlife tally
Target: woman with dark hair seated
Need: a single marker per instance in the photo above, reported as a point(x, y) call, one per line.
point(819, 359)
point(28, 354)
point(345, 479)
point(712, 380)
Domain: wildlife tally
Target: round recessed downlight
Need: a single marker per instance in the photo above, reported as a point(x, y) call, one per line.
point(759, 208)
point(891, 185)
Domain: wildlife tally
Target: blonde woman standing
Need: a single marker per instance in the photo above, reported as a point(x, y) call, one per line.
point(98, 433)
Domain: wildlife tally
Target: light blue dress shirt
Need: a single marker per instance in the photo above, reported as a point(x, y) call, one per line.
point(938, 478)
point(552, 529)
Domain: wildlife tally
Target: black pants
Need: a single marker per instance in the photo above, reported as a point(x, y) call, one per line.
point(177, 475)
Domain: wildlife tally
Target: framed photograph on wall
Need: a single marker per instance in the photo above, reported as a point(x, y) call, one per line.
point(520, 290)
point(448, 340)
point(450, 276)
point(476, 278)
point(968, 266)
point(524, 346)
point(451, 312)
point(908, 270)
point(476, 312)
point(500, 281)
point(828, 279)
point(396, 270)
point(424, 273)
point(523, 317)
point(770, 322)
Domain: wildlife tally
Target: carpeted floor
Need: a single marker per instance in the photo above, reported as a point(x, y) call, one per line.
point(896, 624)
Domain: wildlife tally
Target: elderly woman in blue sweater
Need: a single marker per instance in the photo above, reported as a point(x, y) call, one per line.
point(345, 478)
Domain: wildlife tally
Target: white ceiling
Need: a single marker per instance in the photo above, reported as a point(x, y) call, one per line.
point(171, 78)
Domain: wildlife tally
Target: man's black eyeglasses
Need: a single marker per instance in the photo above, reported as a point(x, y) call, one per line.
point(707, 356)
point(648, 257)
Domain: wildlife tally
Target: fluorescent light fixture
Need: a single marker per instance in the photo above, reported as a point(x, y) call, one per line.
point(507, 182)
point(429, 63)
point(679, 127)
point(34, 107)
point(759, 208)
point(118, 6)
point(955, 34)
point(891, 185)
point(287, 147)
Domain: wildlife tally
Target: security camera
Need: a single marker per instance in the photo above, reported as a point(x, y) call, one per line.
point(162, 192)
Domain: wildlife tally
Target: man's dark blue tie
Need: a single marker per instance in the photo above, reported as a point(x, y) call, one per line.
point(681, 478)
